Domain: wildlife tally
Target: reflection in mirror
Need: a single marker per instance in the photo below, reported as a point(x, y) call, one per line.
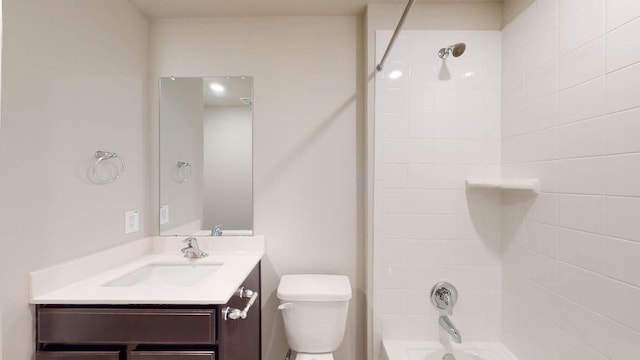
point(206, 185)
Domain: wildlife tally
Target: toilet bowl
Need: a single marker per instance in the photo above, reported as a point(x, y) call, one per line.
point(314, 309)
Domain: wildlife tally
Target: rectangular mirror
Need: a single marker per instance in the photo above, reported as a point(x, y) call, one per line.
point(206, 162)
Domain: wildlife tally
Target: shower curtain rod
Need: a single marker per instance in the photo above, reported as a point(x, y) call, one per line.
point(395, 34)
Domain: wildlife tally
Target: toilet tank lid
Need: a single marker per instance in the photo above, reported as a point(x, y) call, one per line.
point(314, 287)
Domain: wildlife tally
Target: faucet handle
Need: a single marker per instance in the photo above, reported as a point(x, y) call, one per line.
point(444, 296)
point(190, 241)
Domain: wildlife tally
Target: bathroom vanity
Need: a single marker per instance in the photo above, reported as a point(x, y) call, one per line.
point(93, 320)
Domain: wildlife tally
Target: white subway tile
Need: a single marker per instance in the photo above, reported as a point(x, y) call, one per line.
point(421, 151)
point(422, 100)
point(544, 209)
point(514, 149)
point(585, 138)
point(446, 125)
point(543, 238)
point(621, 260)
point(581, 212)
point(540, 300)
point(405, 226)
point(393, 100)
point(440, 227)
point(622, 342)
point(513, 65)
point(579, 285)
point(513, 122)
point(420, 126)
point(396, 151)
point(391, 251)
point(395, 176)
point(408, 327)
point(542, 15)
point(572, 348)
point(623, 47)
point(622, 132)
point(542, 270)
point(513, 95)
point(435, 201)
point(620, 12)
point(623, 175)
point(581, 249)
point(582, 324)
point(394, 201)
point(581, 102)
point(622, 218)
point(569, 8)
point(394, 125)
point(582, 176)
point(541, 83)
point(392, 302)
point(541, 114)
point(542, 145)
point(448, 151)
point(583, 64)
point(395, 82)
point(626, 310)
point(580, 22)
point(541, 49)
point(393, 276)
point(446, 100)
point(622, 88)
point(479, 126)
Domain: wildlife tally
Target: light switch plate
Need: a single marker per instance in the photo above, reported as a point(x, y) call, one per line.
point(131, 221)
point(164, 214)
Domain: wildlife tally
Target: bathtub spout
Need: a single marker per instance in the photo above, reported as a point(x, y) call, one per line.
point(446, 324)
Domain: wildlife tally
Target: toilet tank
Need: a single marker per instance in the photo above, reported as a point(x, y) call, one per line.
point(314, 309)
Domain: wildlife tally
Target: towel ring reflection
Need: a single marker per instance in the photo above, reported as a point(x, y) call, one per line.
point(105, 156)
point(184, 171)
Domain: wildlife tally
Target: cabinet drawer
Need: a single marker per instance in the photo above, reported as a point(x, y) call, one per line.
point(173, 355)
point(126, 326)
point(77, 355)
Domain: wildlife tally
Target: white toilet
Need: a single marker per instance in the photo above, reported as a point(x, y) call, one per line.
point(314, 308)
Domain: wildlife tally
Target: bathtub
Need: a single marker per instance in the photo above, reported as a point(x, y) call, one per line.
point(433, 350)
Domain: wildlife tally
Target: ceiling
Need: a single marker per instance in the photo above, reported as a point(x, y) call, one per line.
point(213, 8)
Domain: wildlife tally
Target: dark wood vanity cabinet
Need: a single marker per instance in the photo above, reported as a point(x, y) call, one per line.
point(150, 332)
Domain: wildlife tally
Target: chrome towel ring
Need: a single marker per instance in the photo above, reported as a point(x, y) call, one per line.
point(183, 171)
point(105, 156)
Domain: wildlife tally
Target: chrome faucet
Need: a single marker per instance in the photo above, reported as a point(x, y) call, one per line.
point(444, 297)
point(216, 231)
point(446, 324)
point(192, 250)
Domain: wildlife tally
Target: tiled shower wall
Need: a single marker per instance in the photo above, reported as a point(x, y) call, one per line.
point(436, 124)
point(571, 117)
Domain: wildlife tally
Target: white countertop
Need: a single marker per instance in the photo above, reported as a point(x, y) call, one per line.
point(81, 281)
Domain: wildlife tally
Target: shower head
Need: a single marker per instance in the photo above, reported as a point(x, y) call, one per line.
point(455, 49)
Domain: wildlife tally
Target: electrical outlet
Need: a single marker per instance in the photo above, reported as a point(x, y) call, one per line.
point(131, 221)
point(164, 214)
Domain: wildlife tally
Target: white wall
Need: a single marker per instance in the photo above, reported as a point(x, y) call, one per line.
point(228, 165)
point(74, 80)
point(182, 106)
point(571, 72)
point(436, 125)
point(308, 143)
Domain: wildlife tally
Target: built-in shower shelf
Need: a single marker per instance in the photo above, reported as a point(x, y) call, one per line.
point(505, 184)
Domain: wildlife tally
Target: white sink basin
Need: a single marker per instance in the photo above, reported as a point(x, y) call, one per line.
point(165, 275)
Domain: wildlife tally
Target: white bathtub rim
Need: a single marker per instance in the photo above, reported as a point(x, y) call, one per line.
point(398, 349)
